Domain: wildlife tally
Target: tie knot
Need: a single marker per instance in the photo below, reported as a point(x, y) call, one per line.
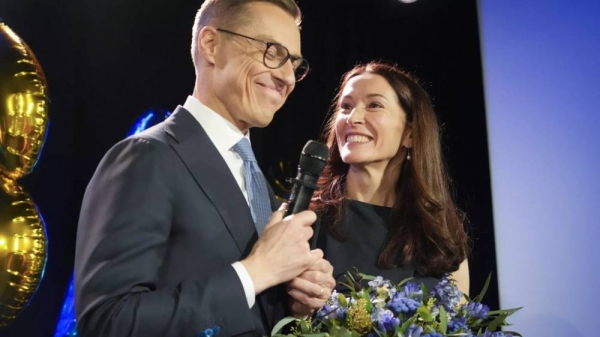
point(244, 149)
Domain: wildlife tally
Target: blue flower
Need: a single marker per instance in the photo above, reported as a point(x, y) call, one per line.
point(458, 323)
point(400, 304)
point(329, 312)
point(380, 282)
point(381, 287)
point(478, 310)
point(386, 322)
point(377, 282)
point(414, 331)
point(332, 309)
point(447, 294)
point(412, 290)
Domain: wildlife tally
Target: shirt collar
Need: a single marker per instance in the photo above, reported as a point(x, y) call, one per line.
point(221, 132)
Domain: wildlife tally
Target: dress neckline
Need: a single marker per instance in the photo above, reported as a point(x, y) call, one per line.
point(357, 202)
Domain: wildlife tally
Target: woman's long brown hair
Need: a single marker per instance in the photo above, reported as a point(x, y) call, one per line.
point(426, 229)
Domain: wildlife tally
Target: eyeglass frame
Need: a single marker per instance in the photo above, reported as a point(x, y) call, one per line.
point(268, 45)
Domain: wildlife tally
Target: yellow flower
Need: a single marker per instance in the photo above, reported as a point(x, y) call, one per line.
point(359, 319)
point(382, 290)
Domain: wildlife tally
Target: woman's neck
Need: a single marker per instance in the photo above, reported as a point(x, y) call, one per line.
point(372, 185)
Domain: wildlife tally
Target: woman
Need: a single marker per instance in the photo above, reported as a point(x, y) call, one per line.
point(384, 204)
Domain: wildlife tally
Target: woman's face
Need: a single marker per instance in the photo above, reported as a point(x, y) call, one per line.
point(370, 124)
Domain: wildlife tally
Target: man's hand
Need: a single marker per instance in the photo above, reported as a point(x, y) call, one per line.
point(282, 251)
point(311, 289)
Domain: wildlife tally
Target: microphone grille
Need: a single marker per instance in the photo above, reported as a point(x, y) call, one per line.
point(314, 157)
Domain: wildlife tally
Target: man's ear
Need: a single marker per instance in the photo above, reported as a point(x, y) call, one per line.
point(207, 44)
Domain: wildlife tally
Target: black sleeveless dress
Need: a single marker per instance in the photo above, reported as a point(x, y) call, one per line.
point(365, 226)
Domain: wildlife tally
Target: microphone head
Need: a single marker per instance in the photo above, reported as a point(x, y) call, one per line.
point(313, 158)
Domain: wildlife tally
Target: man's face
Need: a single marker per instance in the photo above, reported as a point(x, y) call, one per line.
point(246, 91)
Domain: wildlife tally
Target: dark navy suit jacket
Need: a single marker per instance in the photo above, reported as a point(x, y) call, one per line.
point(161, 223)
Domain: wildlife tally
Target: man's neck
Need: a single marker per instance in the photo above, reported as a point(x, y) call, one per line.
point(204, 95)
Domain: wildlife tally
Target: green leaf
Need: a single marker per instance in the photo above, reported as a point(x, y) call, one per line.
point(366, 277)
point(423, 288)
point(513, 333)
point(339, 331)
point(424, 313)
point(349, 286)
point(343, 301)
point(484, 290)
point(508, 312)
point(350, 278)
point(404, 281)
point(305, 327)
point(350, 282)
point(378, 333)
point(407, 324)
point(277, 328)
point(368, 299)
point(494, 324)
point(443, 320)
point(428, 329)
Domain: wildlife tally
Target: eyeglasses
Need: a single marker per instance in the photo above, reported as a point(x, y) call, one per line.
point(276, 55)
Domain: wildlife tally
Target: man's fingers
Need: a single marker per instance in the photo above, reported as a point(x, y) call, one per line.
point(316, 255)
point(306, 218)
point(320, 278)
point(277, 216)
point(300, 310)
point(311, 288)
point(305, 299)
point(322, 265)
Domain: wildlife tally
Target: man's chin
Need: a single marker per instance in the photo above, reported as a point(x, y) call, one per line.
point(266, 117)
point(263, 123)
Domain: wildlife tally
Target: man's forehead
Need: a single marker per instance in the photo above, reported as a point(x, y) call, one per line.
point(293, 45)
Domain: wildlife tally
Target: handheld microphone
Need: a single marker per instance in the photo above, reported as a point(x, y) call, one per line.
point(312, 161)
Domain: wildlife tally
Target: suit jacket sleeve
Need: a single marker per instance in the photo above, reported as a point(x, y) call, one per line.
point(122, 238)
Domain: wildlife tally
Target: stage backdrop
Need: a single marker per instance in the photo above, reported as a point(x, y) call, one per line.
point(542, 84)
point(109, 61)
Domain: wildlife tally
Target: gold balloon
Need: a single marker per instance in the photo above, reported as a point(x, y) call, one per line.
point(23, 105)
point(23, 125)
point(22, 249)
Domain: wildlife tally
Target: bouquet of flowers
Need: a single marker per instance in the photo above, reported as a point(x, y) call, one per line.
point(406, 309)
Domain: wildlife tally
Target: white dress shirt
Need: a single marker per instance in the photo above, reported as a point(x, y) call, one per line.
point(224, 136)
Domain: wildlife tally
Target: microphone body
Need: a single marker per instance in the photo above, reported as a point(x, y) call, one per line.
point(304, 187)
point(312, 161)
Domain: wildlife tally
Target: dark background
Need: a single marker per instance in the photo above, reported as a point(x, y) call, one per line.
point(108, 61)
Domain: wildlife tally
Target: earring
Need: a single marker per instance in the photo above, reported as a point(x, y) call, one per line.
point(407, 154)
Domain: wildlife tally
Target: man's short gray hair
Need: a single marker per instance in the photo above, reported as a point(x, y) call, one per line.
point(231, 14)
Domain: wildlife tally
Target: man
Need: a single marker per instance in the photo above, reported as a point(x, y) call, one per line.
point(172, 238)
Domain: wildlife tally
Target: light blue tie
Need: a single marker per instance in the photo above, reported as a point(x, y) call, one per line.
point(256, 185)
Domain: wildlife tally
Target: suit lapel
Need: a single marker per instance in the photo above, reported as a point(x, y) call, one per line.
point(213, 176)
